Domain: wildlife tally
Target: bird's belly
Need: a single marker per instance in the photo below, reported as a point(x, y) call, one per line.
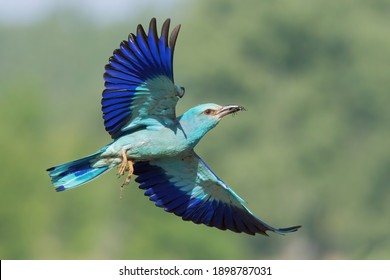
point(147, 145)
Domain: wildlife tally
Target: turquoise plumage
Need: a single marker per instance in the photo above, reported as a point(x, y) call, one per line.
point(149, 141)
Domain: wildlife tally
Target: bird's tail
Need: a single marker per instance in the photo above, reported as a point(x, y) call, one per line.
point(75, 173)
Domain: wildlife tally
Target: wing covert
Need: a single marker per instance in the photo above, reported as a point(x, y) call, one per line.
point(139, 80)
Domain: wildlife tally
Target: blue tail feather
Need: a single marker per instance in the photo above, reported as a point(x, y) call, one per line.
point(75, 173)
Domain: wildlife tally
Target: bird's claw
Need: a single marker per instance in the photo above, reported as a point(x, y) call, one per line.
point(126, 165)
point(122, 168)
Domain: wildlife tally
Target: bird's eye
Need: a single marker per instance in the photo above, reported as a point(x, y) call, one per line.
point(208, 112)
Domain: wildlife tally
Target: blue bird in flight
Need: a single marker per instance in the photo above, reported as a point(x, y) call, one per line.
point(149, 141)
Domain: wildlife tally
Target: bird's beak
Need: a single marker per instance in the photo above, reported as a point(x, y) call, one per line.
point(229, 109)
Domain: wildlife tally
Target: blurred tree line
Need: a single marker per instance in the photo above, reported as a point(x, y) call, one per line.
point(312, 149)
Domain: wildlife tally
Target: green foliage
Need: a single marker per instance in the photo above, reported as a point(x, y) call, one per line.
point(312, 149)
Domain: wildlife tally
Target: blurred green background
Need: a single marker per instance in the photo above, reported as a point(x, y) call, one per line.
point(313, 147)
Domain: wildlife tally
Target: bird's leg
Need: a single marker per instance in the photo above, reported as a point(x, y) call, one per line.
point(126, 165)
point(130, 170)
point(123, 166)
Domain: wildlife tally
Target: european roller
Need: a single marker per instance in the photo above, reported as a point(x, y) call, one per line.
point(149, 141)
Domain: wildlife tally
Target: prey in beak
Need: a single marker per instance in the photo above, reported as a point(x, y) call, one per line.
point(229, 109)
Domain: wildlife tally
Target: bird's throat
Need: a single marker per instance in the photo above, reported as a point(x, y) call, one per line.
point(192, 132)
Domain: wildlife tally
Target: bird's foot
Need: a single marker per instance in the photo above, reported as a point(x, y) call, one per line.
point(126, 165)
point(123, 167)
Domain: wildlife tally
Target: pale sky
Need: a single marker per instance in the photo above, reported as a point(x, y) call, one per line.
point(22, 12)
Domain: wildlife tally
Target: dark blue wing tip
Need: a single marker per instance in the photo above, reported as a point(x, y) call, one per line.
point(287, 230)
point(60, 189)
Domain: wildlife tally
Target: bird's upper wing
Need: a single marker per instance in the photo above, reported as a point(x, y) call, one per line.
point(185, 186)
point(139, 80)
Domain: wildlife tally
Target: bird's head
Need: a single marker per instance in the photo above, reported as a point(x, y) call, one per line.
point(198, 120)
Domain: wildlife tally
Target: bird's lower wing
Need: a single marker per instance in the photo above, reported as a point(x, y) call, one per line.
point(185, 186)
